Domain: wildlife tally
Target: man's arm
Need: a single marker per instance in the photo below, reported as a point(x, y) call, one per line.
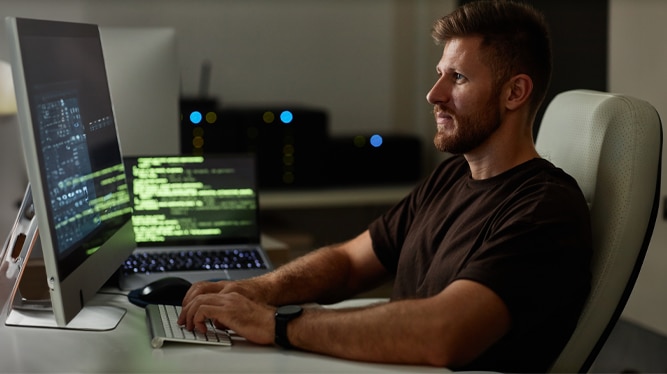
point(450, 329)
point(327, 275)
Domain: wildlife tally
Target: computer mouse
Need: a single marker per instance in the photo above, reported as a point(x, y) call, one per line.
point(168, 290)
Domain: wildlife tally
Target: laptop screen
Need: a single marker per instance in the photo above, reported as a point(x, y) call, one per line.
point(193, 200)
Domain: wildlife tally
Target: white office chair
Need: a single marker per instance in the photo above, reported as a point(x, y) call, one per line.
point(612, 145)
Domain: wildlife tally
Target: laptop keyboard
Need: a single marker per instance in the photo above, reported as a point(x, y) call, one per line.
point(157, 262)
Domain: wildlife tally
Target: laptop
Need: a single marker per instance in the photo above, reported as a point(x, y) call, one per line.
point(194, 217)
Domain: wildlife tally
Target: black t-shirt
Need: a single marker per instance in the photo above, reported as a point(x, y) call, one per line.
point(525, 234)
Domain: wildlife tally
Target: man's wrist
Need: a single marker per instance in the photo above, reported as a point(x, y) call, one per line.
point(283, 316)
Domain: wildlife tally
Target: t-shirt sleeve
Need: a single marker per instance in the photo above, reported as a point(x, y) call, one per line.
point(388, 231)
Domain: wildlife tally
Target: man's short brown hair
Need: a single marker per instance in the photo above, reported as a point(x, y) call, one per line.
point(515, 37)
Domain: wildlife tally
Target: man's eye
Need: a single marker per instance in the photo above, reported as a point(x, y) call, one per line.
point(458, 77)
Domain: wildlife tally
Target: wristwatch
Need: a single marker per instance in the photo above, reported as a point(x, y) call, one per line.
point(284, 314)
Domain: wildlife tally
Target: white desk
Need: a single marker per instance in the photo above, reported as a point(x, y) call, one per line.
point(127, 349)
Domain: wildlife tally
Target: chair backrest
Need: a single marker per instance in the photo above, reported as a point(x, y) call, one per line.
point(612, 145)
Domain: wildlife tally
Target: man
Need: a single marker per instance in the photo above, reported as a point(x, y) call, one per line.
point(490, 253)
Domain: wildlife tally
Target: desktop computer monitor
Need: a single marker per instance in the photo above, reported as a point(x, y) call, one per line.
point(77, 181)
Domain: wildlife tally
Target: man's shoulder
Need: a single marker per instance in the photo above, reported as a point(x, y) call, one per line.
point(555, 175)
point(543, 171)
point(555, 189)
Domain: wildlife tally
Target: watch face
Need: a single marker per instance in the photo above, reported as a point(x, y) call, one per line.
point(289, 310)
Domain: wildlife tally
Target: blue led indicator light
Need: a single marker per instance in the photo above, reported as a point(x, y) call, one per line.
point(286, 116)
point(376, 140)
point(195, 117)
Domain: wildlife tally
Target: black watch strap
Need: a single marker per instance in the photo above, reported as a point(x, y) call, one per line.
point(284, 314)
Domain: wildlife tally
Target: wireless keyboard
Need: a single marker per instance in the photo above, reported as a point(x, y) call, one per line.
point(162, 322)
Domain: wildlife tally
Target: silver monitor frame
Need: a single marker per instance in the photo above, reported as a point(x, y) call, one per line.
point(69, 304)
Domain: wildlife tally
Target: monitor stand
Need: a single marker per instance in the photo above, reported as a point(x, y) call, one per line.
point(34, 309)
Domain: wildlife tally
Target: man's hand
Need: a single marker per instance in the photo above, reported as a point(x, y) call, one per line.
point(327, 275)
point(250, 319)
point(247, 288)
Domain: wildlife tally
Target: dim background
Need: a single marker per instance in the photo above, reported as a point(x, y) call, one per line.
point(369, 64)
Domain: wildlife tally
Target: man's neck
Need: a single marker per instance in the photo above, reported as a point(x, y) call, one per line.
point(490, 165)
point(501, 152)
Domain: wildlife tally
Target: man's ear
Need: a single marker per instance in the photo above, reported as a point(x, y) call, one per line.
point(519, 90)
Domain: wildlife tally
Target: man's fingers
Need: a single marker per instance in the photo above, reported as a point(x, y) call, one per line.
point(203, 314)
point(205, 303)
point(201, 288)
point(188, 310)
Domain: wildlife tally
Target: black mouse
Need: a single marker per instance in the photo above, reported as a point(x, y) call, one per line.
point(168, 290)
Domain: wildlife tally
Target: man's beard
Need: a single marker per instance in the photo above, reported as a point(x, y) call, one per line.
point(471, 130)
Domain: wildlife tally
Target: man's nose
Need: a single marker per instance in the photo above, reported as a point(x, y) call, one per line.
point(438, 93)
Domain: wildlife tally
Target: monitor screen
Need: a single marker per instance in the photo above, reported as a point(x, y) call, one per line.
point(73, 158)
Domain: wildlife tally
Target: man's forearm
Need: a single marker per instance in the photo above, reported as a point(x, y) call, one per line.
point(389, 333)
point(320, 276)
point(327, 275)
point(449, 329)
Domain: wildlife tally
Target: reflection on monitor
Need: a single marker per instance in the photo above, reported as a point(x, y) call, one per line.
point(142, 67)
point(75, 169)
